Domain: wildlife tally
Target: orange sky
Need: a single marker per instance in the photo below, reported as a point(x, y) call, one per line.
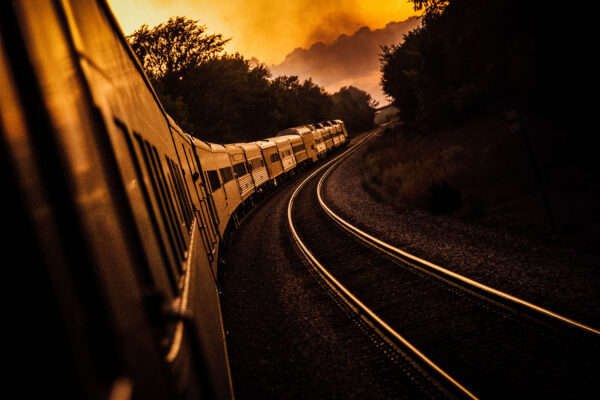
point(267, 29)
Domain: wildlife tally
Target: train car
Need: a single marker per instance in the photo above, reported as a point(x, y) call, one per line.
point(224, 190)
point(334, 132)
point(320, 147)
point(101, 192)
point(256, 163)
point(286, 154)
point(308, 140)
point(344, 130)
point(326, 132)
point(309, 143)
point(124, 215)
point(272, 159)
point(240, 170)
point(339, 132)
point(298, 148)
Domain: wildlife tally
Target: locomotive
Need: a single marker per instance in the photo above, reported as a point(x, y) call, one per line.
point(122, 214)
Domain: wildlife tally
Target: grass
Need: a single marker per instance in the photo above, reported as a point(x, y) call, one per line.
point(482, 172)
point(452, 170)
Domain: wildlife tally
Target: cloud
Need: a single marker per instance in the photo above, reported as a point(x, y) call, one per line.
point(348, 60)
point(267, 29)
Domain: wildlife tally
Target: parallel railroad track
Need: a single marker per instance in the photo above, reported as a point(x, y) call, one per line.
point(471, 340)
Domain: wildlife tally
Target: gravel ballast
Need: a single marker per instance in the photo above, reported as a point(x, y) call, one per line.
point(554, 276)
point(286, 337)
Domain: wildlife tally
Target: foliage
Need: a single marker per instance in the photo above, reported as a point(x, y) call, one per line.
point(468, 168)
point(175, 46)
point(355, 107)
point(432, 8)
point(226, 98)
point(475, 58)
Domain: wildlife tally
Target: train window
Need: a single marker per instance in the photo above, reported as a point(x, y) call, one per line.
point(226, 174)
point(168, 199)
point(181, 192)
point(213, 179)
point(192, 167)
point(160, 195)
point(275, 157)
point(174, 193)
point(188, 156)
point(299, 148)
point(171, 273)
point(257, 163)
point(240, 169)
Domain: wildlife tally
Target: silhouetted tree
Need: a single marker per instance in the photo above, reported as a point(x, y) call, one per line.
point(228, 99)
point(472, 58)
point(175, 46)
point(355, 107)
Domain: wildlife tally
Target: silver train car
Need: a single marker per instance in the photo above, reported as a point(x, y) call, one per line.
point(124, 214)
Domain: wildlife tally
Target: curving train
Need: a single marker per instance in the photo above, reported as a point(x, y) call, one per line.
point(123, 213)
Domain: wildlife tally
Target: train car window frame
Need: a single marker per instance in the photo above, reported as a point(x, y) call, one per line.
point(226, 174)
point(173, 192)
point(170, 206)
point(240, 169)
point(170, 269)
point(163, 212)
point(180, 192)
point(171, 200)
point(213, 180)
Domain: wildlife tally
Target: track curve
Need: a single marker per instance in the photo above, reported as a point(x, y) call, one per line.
point(497, 351)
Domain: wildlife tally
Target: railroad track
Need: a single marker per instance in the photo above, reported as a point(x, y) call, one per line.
point(470, 340)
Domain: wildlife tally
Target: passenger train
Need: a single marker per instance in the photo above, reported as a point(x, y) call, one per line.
point(123, 215)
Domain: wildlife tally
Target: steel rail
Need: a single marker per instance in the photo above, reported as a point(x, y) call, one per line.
point(444, 273)
point(383, 329)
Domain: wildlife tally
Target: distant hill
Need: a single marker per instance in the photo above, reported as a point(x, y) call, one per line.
point(349, 60)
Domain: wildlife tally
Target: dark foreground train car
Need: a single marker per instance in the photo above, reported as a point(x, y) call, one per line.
point(116, 217)
point(106, 200)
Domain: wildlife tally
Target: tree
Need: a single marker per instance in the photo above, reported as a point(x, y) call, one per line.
point(355, 107)
point(228, 99)
point(433, 8)
point(473, 58)
point(171, 48)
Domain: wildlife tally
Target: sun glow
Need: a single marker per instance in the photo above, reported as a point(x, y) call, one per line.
point(267, 29)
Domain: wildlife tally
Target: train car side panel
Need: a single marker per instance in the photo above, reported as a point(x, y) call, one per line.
point(256, 163)
point(140, 138)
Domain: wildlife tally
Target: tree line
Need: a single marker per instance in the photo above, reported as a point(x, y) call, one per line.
point(225, 98)
point(473, 58)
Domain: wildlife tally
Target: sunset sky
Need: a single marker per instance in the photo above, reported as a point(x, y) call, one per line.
point(267, 29)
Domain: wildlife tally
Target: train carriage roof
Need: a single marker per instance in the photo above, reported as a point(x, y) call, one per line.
point(265, 144)
point(234, 148)
point(282, 142)
point(298, 130)
point(294, 139)
point(252, 149)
